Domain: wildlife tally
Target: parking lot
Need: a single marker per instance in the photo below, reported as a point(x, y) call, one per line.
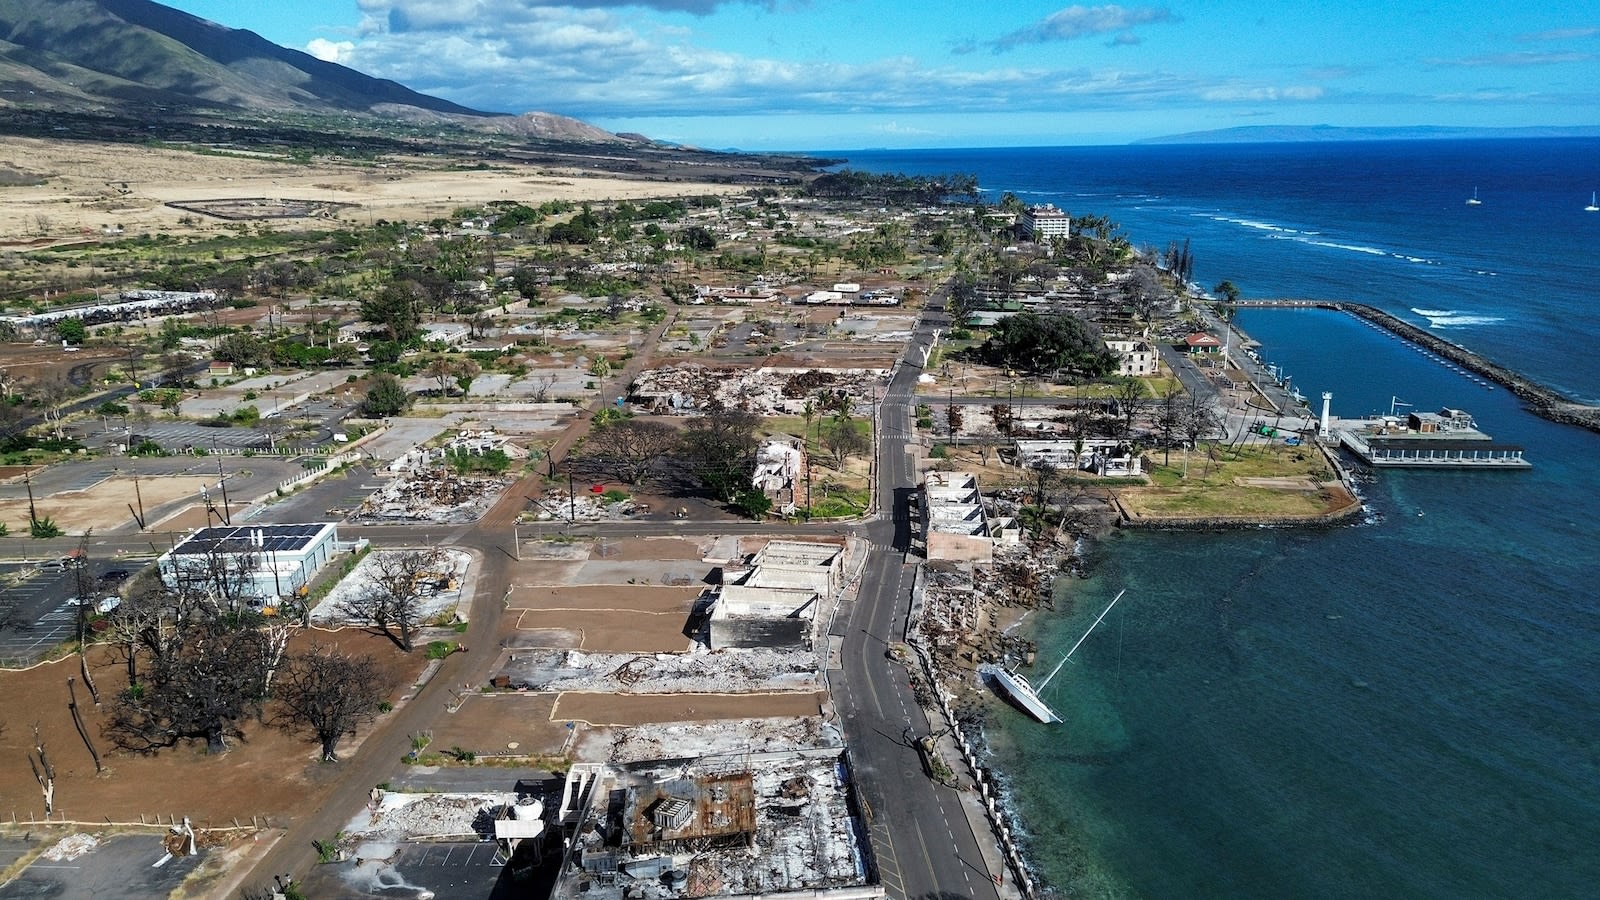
point(44, 599)
point(121, 866)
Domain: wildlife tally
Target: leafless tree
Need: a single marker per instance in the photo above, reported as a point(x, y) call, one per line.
point(1043, 477)
point(53, 394)
point(213, 581)
point(1199, 420)
point(984, 442)
point(541, 387)
point(844, 440)
point(1143, 291)
point(1131, 403)
point(630, 448)
point(400, 581)
point(1169, 419)
point(43, 771)
point(329, 694)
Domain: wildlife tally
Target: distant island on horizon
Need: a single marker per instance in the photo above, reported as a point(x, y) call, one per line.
point(1270, 134)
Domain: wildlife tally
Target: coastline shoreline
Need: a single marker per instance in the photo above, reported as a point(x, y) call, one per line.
point(1545, 402)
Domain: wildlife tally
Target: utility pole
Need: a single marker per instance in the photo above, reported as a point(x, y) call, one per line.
point(222, 482)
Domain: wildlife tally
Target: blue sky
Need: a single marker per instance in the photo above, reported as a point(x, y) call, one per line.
point(835, 74)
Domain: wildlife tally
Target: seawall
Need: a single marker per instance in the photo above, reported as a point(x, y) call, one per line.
point(1540, 400)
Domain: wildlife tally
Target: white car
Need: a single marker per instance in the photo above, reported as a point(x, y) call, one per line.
point(101, 606)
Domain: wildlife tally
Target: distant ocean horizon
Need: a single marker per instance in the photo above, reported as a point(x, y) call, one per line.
point(1400, 708)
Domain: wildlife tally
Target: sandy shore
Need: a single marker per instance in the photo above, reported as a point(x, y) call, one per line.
point(90, 187)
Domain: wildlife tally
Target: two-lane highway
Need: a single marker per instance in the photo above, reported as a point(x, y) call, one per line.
point(921, 838)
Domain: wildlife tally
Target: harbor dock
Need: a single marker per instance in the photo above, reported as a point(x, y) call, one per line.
point(1445, 439)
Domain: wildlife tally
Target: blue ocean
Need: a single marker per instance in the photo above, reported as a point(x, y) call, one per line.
point(1407, 707)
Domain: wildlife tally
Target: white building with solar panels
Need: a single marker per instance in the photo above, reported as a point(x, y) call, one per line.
point(251, 562)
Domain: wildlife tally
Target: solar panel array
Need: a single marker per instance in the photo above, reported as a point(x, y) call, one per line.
point(242, 539)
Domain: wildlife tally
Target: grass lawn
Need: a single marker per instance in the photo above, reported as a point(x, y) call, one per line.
point(1253, 482)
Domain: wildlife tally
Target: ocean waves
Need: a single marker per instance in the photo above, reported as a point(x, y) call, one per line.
point(1451, 318)
point(1315, 238)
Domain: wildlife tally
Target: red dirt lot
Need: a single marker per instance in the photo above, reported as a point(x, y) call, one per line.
point(614, 631)
point(605, 598)
point(486, 723)
point(267, 773)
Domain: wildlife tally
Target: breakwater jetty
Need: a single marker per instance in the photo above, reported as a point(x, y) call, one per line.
point(1541, 400)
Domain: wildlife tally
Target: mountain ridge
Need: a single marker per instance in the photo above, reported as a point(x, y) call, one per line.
point(92, 55)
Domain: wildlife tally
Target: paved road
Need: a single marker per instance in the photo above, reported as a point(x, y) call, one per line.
point(921, 838)
point(379, 755)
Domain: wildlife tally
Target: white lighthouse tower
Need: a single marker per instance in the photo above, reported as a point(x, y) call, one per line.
point(1327, 400)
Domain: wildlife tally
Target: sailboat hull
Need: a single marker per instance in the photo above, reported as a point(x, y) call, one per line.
point(1016, 689)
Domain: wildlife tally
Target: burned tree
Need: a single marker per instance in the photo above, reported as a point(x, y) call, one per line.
point(43, 771)
point(1131, 402)
point(630, 448)
point(844, 440)
point(203, 690)
point(329, 694)
point(720, 447)
point(392, 601)
point(984, 442)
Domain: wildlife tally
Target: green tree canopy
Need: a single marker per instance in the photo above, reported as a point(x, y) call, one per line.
point(398, 308)
point(385, 397)
point(71, 330)
point(1045, 344)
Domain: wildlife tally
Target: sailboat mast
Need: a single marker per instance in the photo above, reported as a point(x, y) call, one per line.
point(1085, 637)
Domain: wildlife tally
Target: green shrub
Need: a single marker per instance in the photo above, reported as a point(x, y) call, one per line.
point(440, 649)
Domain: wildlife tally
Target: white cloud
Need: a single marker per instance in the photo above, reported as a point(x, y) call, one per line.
point(1260, 93)
point(506, 56)
point(1514, 60)
point(331, 51)
point(1560, 34)
point(1084, 21)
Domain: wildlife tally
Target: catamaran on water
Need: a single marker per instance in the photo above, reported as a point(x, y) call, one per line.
point(1018, 690)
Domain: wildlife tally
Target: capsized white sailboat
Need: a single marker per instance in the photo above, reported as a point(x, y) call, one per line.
point(1024, 694)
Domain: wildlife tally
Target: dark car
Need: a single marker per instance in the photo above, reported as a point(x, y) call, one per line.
point(114, 575)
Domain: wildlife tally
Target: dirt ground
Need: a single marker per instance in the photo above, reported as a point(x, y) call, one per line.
point(613, 631)
point(641, 709)
point(487, 723)
point(90, 187)
point(268, 773)
point(104, 505)
point(34, 363)
point(610, 598)
point(630, 549)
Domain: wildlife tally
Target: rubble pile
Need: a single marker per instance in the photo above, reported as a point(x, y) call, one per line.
point(584, 506)
point(433, 495)
point(71, 847)
point(804, 837)
point(960, 604)
point(684, 740)
point(806, 384)
point(732, 671)
point(765, 391)
point(803, 842)
point(401, 817)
